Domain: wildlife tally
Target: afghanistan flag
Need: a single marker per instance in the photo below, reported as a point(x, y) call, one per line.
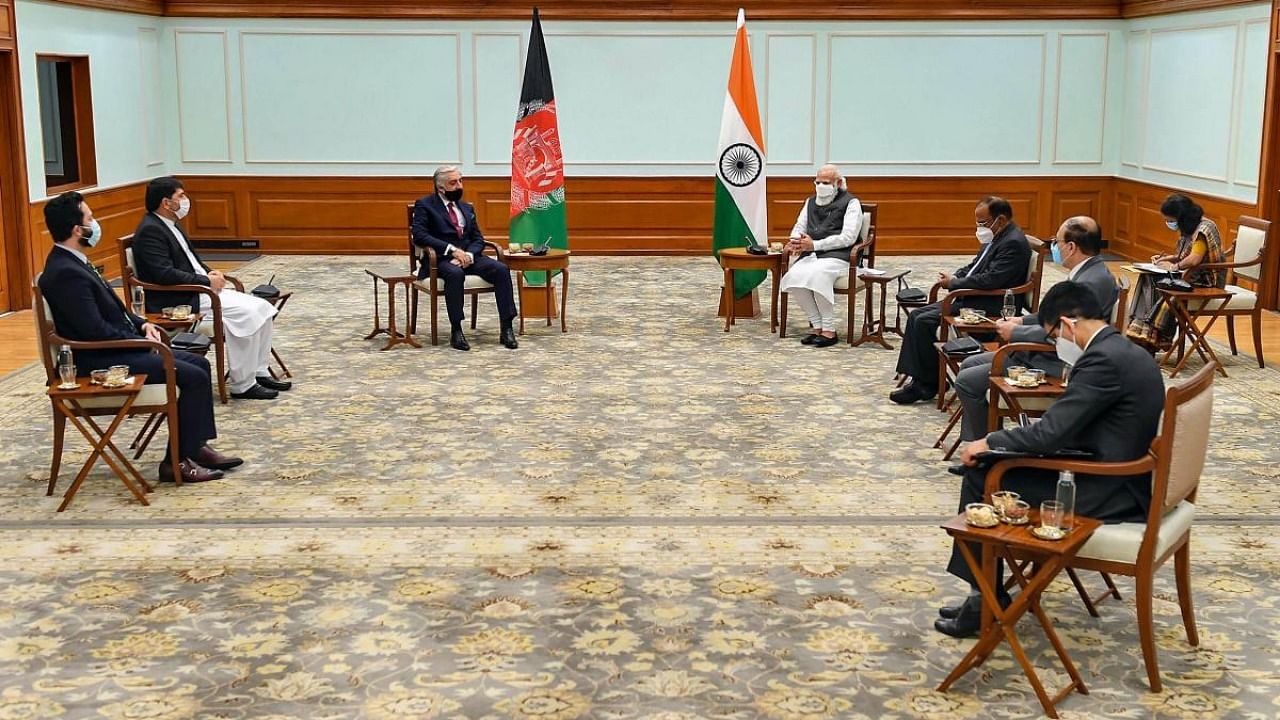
point(537, 167)
point(740, 208)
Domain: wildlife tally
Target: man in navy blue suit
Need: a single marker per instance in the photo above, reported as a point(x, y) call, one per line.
point(446, 224)
point(86, 309)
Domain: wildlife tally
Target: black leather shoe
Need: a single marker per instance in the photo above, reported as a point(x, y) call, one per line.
point(209, 458)
point(809, 339)
point(956, 470)
point(912, 392)
point(271, 383)
point(824, 341)
point(191, 472)
point(951, 612)
point(508, 338)
point(458, 341)
point(257, 392)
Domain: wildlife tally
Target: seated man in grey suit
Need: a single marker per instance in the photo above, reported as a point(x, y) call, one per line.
point(1111, 409)
point(1076, 248)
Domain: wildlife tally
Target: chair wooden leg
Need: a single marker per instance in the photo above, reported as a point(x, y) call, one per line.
point(1257, 336)
point(59, 431)
point(435, 319)
point(782, 314)
point(1084, 595)
point(413, 310)
point(220, 355)
point(955, 418)
point(475, 306)
point(155, 427)
point(1231, 333)
point(1182, 571)
point(1146, 628)
point(848, 333)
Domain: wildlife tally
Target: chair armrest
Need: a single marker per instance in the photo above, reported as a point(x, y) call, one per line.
point(933, 292)
point(1225, 265)
point(996, 474)
point(215, 302)
point(1024, 288)
point(997, 362)
point(164, 351)
point(497, 251)
point(235, 283)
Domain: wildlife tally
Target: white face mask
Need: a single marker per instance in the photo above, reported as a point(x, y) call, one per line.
point(1171, 224)
point(90, 234)
point(824, 191)
point(1068, 351)
point(985, 235)
point(184, 207)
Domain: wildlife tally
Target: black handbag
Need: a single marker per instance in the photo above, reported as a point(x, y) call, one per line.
point(963, 345)
point(1173, 283)
point(191, 342)
point(908, 295)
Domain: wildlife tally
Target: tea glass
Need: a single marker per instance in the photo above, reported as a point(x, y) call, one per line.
point(117, 374)
point(98, 377)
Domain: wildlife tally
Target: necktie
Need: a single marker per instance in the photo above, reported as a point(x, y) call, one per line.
point(455, 219)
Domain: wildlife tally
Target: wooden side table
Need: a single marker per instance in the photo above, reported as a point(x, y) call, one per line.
point(394, 336)
point(1014, 395)
point(1180, 303)
point(1011, 542)
point(734, 259)
point(555, 260)
point(67, 403)
point(278, 302)
point(172, 325)
point(874, 327)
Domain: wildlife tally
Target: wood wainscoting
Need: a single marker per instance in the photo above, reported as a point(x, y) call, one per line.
point(117, 210)
point(614, 216)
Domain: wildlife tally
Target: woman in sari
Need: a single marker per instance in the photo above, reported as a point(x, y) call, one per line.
point(1153, 325)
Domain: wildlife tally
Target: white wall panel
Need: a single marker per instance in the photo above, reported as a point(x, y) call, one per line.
point(1189, 101)
point(1253, 90)
point(1081, 119)
point(204, 114)
point(153, 112)
point(1135, 96)
point(789, 98)
point(935, 99)
point(497, 61)
point(350, 97)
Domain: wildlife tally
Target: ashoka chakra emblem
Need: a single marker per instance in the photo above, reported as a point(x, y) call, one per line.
point(740, 165)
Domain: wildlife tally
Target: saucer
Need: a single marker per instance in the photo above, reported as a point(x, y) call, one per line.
point(115, 386)
point(1009, 521)
point(68, 386)
point(1045, 533)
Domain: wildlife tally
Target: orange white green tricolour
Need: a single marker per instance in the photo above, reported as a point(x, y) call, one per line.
point(740, 216)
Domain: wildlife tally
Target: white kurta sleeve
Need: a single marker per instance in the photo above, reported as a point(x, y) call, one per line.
point(802, 222)
point(848, 234)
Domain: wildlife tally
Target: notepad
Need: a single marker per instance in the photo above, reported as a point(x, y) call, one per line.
point(1149, 268)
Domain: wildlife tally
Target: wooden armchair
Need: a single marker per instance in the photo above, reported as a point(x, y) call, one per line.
point(434, 286)
point(155, 399)
point(1175, 462)
point(1251, 244)
point(1029, 289)
point(850, 284)
point(212, 324)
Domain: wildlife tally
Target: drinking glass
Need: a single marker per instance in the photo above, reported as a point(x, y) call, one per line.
point(98, 377)
point(138, 304)
point(1051, 515)
point(1016, 513)
point(181, 312)
point(1003, 500)
point(67, 373)
point(116, 374)
point(513, 247)
point(1015, 371)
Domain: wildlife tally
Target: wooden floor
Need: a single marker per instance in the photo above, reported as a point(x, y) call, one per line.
point(18, 349)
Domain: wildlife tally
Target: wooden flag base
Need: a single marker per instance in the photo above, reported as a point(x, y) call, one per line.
point(747, 306)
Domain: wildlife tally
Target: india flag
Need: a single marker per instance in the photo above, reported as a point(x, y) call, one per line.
point(740, 206)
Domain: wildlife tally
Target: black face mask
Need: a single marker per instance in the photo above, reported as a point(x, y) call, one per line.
point(453, 195)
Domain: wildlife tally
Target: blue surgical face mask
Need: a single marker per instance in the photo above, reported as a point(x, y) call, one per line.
point(90, 234)
point(1171, 224)
point(1056, 251)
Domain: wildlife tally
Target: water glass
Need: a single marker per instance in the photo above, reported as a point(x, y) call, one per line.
point(67, 373)
point(1051, 516)
point(139, 306)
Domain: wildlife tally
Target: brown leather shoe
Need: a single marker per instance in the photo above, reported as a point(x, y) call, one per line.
point(214, 460)
point(191, 472)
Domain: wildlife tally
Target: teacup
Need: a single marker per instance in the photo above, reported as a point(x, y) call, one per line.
point(1004, 500)
point(116, 375)
point(775, 247)
point(513, 247)
point(527, 247)
point(166, 312)
point(98, 377)
point(980, 514)
point(1015, 372)
point(181, 312)
point(1017, 513)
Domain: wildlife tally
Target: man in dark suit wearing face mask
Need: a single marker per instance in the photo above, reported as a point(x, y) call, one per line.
point(86, 309)
point(1111, 410)
point(446, 224)
point(1002, 262)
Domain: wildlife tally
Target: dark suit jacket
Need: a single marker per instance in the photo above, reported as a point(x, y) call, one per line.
point(85, 308)
point(1004, 265)
point(160, 260)
point(1111, 408)
point(432, 228)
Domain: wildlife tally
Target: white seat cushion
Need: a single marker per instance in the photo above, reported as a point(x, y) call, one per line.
point(1120, 542)
point(1241, 299)
point(843, 283)
point(472, 282)
point(150, 395)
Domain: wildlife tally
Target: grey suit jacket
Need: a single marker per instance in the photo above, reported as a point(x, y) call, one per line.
point(1094, 274)
point(1111, 408)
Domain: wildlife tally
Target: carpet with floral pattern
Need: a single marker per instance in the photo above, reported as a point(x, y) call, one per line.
point(644, 518)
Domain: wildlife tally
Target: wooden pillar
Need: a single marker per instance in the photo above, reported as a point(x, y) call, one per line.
point(1269, 178)
point(15, 260)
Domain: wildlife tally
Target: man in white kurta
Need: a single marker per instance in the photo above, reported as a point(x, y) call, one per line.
point(826, 229)
point(164, 255)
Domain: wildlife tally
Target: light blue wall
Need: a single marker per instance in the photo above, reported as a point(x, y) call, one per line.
point(298, 97)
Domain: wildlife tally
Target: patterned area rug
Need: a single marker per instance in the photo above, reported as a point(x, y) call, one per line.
point(643, 518)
